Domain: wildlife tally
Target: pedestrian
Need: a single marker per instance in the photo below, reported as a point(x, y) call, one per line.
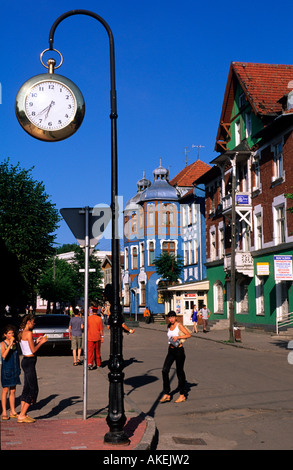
point(95, 338)
point(193, 317)
point(176, 333)
point(205, 313)
point(147, 315)
point(10, 371)
point(28, 364)
point(75, 335)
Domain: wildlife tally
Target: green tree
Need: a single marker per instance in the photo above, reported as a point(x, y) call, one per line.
point(95, 290)
point(28, 221)
point(58, 282)
point(169, 267)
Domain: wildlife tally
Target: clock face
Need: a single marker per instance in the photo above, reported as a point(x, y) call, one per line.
point(50, 105)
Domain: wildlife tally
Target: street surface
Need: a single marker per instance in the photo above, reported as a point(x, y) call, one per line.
point(238, 399)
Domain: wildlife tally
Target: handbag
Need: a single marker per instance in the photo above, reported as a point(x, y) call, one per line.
point(182, 334)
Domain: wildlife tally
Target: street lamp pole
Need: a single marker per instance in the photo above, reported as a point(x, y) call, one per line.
point(116, 415)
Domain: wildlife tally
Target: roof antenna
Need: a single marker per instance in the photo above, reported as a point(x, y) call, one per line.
point(198, 147)
point(186, 152)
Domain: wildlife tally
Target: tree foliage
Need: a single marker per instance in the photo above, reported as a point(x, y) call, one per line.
point(169, 267)
point(28, 221)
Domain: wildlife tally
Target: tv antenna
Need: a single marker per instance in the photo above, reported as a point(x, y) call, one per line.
point(198, 147)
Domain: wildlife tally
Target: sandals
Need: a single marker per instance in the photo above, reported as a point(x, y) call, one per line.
point(5, 418)
point(165, 399)
point(27, 419)
point(14, 415)
point(180, 399)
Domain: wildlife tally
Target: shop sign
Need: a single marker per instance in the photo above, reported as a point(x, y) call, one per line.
point(262, 269)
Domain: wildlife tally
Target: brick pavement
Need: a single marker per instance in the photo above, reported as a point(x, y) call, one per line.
point(67, 434)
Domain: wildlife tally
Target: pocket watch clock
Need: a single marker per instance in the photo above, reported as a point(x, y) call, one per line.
point(49, 106)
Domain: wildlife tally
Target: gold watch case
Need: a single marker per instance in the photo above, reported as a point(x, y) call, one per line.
point(37, 132)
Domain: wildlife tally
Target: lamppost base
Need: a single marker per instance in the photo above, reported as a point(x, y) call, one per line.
point(117, 438)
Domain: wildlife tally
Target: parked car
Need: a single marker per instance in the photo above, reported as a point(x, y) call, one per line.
point(54, 326)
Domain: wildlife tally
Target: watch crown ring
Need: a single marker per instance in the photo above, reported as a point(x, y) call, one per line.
point(46, 66)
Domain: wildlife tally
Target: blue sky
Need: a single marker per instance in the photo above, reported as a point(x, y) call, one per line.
point(172, 63)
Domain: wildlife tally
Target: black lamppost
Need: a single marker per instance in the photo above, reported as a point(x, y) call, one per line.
point(116, 416)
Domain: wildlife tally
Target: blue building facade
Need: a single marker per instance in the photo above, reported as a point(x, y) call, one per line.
point(161, 217)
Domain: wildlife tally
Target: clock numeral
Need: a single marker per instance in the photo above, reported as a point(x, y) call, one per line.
point(61, 90)
point(67, 97)
point(69, 106)
point(59, 121)
point(40, 120)
point(31, 103)
point(34, 95)
point(51, 87)
point(66, 115)
point(41, 88)
point(50, 124)
point(33, 113)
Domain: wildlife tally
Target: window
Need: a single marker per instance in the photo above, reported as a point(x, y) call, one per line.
point(241, 100)
point(142, 255)
point(168, 247)
point(142, 294)
point(213, 245)
point(218, 298)
point(221, 243)
point(237, 133)
point(278, 161)
point(151, 253)
point(258, 232)
point(256, 182)
point(126, 259)
point(248, 128)
point(242, 297)
point(151, 214)
point(134, 257)
point(185, 253)
point(280, 225)
point(259, 295)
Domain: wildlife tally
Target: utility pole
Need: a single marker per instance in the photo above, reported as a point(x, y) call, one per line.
point(233, 250)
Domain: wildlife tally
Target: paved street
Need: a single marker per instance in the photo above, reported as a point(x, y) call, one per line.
point(240, 397)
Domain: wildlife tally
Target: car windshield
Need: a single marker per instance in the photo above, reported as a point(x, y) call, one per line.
point(58, 320)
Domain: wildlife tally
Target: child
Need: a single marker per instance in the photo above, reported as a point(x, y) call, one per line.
point(10, 371)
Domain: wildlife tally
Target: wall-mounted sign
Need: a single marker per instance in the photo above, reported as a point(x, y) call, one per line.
point(283, 268)
point(262, 269)
point(242, 199)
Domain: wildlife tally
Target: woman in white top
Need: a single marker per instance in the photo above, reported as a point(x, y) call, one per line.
point(28, 364)
point(175, 333)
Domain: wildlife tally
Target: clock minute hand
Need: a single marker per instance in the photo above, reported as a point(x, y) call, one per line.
point(49, 107)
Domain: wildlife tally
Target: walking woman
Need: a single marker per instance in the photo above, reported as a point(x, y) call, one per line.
point(28, 364)
point(176, 333)
point(194, 319)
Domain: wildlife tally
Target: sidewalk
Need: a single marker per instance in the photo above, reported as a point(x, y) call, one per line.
point(257, 340)
point(59, 428)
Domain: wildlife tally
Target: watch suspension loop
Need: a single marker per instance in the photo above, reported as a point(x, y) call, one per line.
point(51, 62)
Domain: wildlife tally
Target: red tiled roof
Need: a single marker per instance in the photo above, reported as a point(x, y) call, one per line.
point(264, 84)
point(189, 174)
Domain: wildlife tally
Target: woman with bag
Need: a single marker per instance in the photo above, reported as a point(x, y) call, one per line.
point(176, 334)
